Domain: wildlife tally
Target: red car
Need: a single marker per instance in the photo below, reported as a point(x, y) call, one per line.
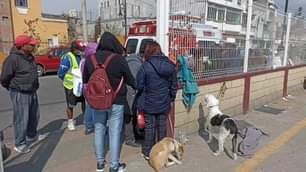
point(50, 61)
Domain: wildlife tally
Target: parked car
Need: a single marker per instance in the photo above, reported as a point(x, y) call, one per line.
point(50, 61)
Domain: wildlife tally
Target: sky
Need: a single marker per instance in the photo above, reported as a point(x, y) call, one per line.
point(293, 5)
point(62, 6)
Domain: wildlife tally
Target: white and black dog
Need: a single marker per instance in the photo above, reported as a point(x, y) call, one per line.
point(220, 126)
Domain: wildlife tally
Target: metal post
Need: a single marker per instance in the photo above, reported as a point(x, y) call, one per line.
point(274, 36)
point(162, 14)
point(287, 40)
point(84, 20)
point(1, 160)
point(247, 40)
point(125, 20)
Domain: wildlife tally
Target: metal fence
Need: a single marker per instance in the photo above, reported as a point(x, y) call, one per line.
point(214, 36)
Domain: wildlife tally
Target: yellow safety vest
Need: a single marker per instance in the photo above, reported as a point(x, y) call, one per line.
point(68, 79)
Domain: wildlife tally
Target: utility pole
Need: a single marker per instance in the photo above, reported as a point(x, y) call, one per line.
point(125, 20)
point(281, 47)
point(84, 20)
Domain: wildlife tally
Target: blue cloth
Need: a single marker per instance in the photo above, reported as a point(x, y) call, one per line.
point(88, 118)
point(113, 121)
point(190, 86)
point(157, 82)
point(65, 65)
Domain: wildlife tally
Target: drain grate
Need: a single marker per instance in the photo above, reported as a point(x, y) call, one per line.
point(271, 110)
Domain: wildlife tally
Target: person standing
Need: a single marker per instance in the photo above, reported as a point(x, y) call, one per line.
point(70, 61)
point(88, 117)
point(111, 119)
point(157, 82)
point(19, 76)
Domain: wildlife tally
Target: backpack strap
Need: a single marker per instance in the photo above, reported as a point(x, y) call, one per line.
point(119, 87)
point(108, 60)
point(94, 61)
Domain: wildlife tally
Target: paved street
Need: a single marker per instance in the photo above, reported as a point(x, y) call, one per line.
point(64, 151)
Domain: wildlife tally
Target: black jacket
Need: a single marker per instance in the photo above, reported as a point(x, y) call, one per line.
point(19, 72)
point(117, 68)
point(157, 82)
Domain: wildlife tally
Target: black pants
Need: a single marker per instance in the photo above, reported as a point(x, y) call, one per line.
point(155, 130)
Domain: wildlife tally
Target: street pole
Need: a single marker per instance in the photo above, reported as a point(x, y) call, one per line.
point(84, 20)
point(248, 33)
point(287, 39)
point(284, 27)
point(162, 14)
point(125, 20)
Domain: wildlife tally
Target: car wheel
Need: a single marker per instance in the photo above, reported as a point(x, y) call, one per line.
point(40, 70)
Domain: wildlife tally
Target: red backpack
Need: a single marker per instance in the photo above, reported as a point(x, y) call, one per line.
point(99, 93)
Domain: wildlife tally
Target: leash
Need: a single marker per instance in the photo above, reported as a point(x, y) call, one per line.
point(171, 124)
point(222, 90)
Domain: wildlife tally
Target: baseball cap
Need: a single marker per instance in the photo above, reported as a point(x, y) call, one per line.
point(77, 44)
point(22, 40)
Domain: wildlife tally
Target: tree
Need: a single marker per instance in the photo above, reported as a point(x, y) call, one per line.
point(32, 28)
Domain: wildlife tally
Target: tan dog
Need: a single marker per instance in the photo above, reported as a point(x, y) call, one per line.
point(166, 149)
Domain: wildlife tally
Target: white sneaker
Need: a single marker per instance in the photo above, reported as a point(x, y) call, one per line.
point(23, 149)
point(71, 126)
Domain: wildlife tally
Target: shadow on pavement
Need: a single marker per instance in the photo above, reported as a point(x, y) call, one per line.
point(36, 160)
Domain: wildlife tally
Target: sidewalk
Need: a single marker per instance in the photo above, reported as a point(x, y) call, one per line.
point(65, 151)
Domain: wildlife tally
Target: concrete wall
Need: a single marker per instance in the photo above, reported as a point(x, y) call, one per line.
point(296, 78)
point(231, 103)
point(6, 36)
point(264, 87)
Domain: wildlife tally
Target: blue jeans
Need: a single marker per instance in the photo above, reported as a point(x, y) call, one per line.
point(113, 121)
point(26, 115)
point(88, 118)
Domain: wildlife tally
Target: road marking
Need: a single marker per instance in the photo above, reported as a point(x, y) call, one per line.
point(273, 147)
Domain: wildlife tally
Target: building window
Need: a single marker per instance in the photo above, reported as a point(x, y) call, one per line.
point(244, 19)
point(233, 18)
point(239, 2)
point(107, 3)
point(221, 14)
point(212, 13)
point(21, 3)
point(229, 0)
point(5, 20)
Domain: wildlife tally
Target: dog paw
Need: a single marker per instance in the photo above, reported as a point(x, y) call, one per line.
point(216, 153)
point(235, 157)
point(179, 162)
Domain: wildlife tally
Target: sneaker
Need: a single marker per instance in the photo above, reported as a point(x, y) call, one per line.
point(121, 168)
point(38, 137)
point(145, 157)
point(22, 149)
point(100, 167)
point(71, 126)
point(89, 131)
point(133, 143)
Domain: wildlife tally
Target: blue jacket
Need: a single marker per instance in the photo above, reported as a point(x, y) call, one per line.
point(157, 82)
point(65, 65)
point(190, 86)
